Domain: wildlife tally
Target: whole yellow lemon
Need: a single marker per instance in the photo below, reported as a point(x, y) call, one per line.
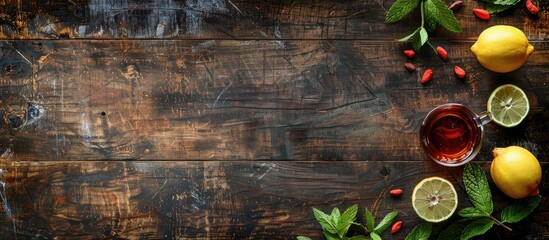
point(502, 48)
point(516, 171)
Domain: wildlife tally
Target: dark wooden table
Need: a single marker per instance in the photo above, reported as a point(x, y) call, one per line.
point(216, 119)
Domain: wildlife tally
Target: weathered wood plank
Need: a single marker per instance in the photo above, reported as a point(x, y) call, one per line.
point(218, 200)
point(234, 100)
point(237, 19)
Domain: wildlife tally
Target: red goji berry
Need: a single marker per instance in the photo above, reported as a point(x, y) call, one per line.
point(459, 72)
point(533, 9)
point(409, 53)
point(396, 227)
point(442, 53)
point(427, 75)
point(395, 192)
point(481, 13)
point(410, 67)
point(456, 5)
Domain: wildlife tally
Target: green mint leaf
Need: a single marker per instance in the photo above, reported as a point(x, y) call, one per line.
point(420, 38)
point(346, 220)
point(335, 214)
point(430, 19)
point(472, 212)
point(476, 228)
point(496, 8)
point(404, 39)
point(349, 215)
point(453, 232)
point(400, 9)
point(442, 14)
point(325, 221)
point(476, 186)
point(303, 238)
point(520, 209)
point(359, 237)
point(335, 220)
point(331, 236)
point(502, 2)
point(369, 220)
point(421, 232)
point(386, 222)
point(375, 236)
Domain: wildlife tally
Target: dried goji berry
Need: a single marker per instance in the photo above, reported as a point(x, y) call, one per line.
point(481, 13)
point(533, 9)
point(396, 227)
point(442, 53)
point(427, 75)
point(409, 53)
point(410, 67)
point(459, 72)
point(395, 192)
point(456, 5)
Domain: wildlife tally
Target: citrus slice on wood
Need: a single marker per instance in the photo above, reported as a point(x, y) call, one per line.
point(508, 105)
point(434, 199)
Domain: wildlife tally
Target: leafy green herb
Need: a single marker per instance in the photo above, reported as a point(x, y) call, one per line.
point(502, 2)
point(359, 237)
point(478, 219)
point(453, 232)
point(472, 212)
point(496, 6)
point(477, 188)
point(336, 225)
point(374, 236)
point(326, 221)
point(442, 14)
point(369, 220)
point(385, 222)
point(476, 228)
point(400, 9)
point(346, 220)
point(433, 12)
point(519, 209)
point(421, 232)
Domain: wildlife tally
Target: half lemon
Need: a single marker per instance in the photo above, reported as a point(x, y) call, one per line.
point(508, 105)
point(434, 199)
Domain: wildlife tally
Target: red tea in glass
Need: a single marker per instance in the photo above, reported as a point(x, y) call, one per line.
point(451, 134)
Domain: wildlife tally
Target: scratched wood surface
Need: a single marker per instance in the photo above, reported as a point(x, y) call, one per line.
point(234, 19)
point(229, 119)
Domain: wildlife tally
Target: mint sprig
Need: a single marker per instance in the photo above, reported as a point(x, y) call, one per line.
point(433, 12)
point(478, 219)
point(336, 225)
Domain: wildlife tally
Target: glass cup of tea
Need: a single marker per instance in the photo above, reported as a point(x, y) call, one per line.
point(451, 134)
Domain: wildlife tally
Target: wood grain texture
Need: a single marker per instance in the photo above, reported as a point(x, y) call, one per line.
point(237, 19)
point(235, 100)
point(218, 200)
point(231, 119)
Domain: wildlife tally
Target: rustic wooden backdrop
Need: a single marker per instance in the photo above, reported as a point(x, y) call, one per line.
point(220, 119)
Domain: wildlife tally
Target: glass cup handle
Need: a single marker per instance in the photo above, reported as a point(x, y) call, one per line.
point(484, 118)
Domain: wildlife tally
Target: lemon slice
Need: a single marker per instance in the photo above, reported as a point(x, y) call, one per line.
point(434, 199)
point(508, 105)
